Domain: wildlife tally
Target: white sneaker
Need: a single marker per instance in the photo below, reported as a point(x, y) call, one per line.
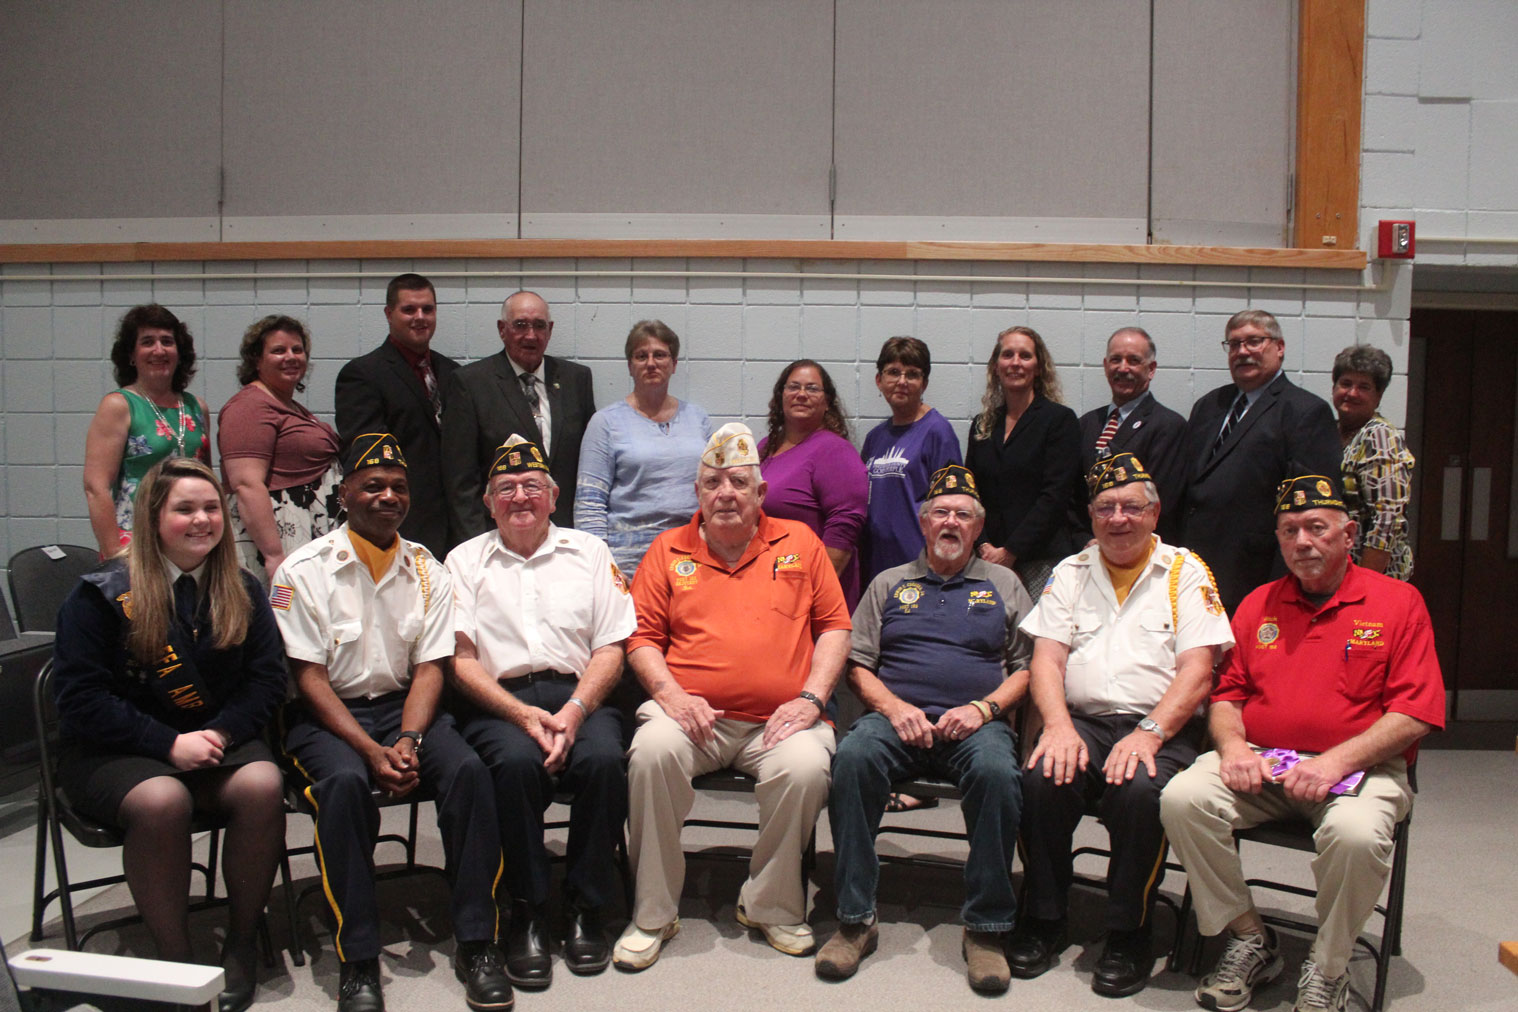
point(1316, 993)
point(791, 939)
point(638, 949)
point(1246, 964)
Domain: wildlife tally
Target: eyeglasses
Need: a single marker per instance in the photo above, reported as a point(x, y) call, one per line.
point(1108, 510)
point(1253, 343)
point(531, 489)
point(657, 354)
point(811, 389)
point(896, 372)
point(523, 325)
point(941, 513)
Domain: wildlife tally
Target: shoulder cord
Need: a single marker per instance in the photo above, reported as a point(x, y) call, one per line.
point(425, 578)
point(1175, 582)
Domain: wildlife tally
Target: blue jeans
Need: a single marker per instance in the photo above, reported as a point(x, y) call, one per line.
point(985, 769)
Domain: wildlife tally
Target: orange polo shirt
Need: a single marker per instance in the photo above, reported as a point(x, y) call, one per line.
point(740, 638)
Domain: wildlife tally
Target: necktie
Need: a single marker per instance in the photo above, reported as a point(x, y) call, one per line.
point(429, 380)
point(1108, 432)
point(530, 390)
point(184, 601)
point(1239, 407)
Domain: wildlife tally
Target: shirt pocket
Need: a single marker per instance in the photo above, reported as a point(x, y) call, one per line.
point(346, 631)
point(1363, 676)
point(790, 593)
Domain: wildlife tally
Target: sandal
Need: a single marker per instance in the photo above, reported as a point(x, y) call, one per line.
point(899, 802)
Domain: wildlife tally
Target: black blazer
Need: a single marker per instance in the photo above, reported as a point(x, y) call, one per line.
point(1031, 484)
point(485, 405)
point(1229, 515)
point(1155, 435)
point(380, 392)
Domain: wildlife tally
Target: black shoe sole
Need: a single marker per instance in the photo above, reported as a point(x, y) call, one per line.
point(1114, 991)
point(588, 969)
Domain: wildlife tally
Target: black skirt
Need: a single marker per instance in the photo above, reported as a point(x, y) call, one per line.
point(95, 782)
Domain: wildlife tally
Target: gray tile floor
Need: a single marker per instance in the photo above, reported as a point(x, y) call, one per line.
point(1461, 904)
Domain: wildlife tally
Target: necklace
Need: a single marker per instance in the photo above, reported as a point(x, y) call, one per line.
point(164, 422)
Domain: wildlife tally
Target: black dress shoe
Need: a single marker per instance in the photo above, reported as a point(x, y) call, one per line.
point(1124, 966)
point(240, 963)
point(529, 960)
point(1034, 946)
point(358, 987)
point(586, 950)
point(235, 999)
point(480, 966)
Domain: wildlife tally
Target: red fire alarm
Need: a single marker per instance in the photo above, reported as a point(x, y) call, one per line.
point(1396, 240)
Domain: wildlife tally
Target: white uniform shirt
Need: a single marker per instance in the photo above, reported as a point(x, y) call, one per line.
point(330, 611)
point(1123, 659)
point(546, 612)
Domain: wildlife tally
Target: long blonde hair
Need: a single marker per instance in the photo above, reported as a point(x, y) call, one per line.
point(1045, 384)
point(152, 600)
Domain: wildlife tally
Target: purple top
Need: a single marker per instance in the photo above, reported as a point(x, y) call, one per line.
point(821, 482)
point(900, 460)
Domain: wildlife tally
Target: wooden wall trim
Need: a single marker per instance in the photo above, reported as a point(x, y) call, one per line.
point(449, 249)
point(1330, 86)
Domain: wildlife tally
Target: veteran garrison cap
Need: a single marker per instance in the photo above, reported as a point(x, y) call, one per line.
point(373, 449)
point(733, 445)
point(516, 456)
point(1309, 492)
point(1119, 469)
point(952, 479)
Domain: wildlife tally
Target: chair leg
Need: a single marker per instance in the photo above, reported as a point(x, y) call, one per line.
point(61, 875)
point(411, 838)
point(1182, 924)
point(213, 856)
point(297, 954)
point(39, 902)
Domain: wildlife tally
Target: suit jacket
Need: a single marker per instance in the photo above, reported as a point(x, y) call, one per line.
point(1155, 435)
point(1031, 485)
point(1229, 514)
point(485, 405)
point(380, 392)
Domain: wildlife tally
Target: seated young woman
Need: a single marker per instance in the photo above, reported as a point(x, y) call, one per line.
point(168, 665)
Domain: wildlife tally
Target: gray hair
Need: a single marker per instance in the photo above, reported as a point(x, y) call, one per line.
point(1257, 317)
point(1151, 492)
point(1366, 359)
point(1141, 332)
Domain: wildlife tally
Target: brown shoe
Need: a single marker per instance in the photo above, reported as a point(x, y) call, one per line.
point(985, 955)
point(840, 957)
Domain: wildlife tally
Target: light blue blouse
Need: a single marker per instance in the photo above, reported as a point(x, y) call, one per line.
point(638, 477)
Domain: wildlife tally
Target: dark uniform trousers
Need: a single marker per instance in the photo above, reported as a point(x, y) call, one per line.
point(1130, 811)
point(347, 819)
point(596, 777)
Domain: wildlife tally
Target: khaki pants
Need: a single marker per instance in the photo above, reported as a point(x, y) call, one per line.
point(793, 788)
point(1353, 836)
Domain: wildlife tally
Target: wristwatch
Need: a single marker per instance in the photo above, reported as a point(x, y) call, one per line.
point(415, 736)
point(995, 709)
point(812, 698)
point(1147, 724)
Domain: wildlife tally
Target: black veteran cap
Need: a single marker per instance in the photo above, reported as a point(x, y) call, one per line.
point(1309, 492)
point(373, 449)
point(952, 479)
point(516, 456)
point(1119, 469)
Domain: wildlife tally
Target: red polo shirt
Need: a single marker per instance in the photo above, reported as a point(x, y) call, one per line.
point(1310, 678)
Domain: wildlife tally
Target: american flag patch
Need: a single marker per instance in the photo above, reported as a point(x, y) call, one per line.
point(280, 596)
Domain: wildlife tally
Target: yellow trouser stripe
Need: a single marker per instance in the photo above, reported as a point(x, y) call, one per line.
point(316, 839)
point(1154, 873)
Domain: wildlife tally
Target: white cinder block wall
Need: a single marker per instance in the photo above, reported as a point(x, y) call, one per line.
point(1441, 125)
point(736, 334)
